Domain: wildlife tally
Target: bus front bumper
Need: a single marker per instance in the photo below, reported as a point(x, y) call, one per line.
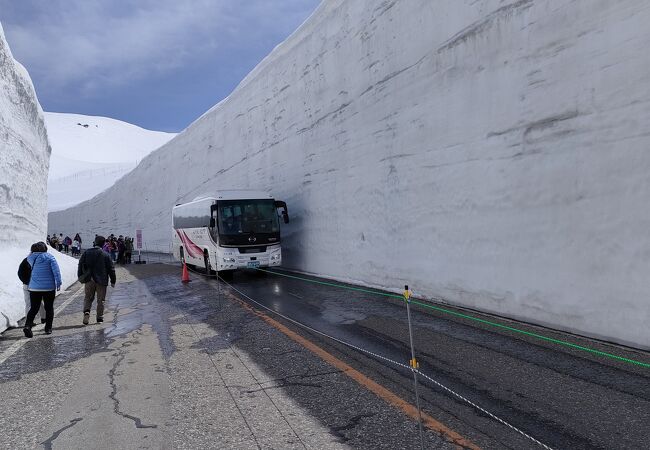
point(250, 260)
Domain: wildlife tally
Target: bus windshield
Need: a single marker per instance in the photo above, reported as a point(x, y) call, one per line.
point(247, 216)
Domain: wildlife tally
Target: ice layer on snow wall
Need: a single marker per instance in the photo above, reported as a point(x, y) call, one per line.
point(493, 154)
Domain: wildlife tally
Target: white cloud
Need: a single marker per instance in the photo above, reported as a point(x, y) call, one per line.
point(92, 45)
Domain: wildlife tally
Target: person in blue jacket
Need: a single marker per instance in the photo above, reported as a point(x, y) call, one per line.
point(45, 281)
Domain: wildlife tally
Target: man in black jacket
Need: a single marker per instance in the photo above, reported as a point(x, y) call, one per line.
point(95, 268)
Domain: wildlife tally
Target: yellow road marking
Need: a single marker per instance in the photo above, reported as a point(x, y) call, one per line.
point(363, 380)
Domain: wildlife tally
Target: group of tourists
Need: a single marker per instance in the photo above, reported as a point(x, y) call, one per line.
point(119, 248)
point(65, 244)
point(41, 278)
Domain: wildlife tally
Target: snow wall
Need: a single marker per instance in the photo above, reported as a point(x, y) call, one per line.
point(24, 155)
point(24, 159)
point(491, 154)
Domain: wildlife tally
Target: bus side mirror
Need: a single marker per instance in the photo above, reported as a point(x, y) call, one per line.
point(285, 214)
point(212, 222)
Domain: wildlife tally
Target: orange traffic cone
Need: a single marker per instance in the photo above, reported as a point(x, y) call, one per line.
point(186, 276)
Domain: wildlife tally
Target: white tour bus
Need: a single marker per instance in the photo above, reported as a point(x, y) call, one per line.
point(232, 230)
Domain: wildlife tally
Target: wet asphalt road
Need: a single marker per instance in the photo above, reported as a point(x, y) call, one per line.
point(178, 366)
point(186, 366)
point(564, 398)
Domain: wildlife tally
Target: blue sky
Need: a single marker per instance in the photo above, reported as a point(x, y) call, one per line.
point(158, 64)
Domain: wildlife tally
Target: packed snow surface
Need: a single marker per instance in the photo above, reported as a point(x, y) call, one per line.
point(89, 154)
point(492, 154)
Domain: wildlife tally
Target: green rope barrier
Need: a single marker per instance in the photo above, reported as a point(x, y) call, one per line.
point(466, 316)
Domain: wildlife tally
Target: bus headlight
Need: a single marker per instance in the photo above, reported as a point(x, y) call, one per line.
point(229, 260)
point(276, 256)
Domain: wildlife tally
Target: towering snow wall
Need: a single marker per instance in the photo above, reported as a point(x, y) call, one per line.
point(24, 160)
point(494, 154)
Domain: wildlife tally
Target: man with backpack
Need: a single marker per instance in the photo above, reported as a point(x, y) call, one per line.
point(94, 270)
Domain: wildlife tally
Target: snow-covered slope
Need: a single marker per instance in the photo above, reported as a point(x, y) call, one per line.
point(24, 159)
point(494, 154)
point(90, 153)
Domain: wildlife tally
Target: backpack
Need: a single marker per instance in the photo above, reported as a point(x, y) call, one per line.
point(25, 271)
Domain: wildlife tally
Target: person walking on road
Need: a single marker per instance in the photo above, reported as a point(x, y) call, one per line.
point(28, 302)
point(94, 270)
point(120, 250)
point(113, 248)
point(45, 279)
point(67, 242)
point(128, 249)
point(54, 242)
point(76, 247)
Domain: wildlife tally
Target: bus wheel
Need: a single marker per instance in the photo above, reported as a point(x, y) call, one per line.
point(206, 263)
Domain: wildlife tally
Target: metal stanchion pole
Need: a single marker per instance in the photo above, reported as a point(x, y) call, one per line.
point(413, 362)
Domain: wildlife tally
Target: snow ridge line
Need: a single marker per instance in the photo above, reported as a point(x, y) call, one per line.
point(18, 344)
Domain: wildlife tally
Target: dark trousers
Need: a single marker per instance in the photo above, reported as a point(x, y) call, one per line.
point(90, 289)
point(35, 298)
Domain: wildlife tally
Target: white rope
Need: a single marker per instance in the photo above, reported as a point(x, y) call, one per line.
point(483, 410)
point(384, 358)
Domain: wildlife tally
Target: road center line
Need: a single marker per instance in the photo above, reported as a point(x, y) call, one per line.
point(18, 344)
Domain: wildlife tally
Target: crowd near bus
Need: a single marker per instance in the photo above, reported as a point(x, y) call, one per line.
point(119, 248)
